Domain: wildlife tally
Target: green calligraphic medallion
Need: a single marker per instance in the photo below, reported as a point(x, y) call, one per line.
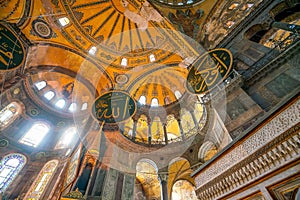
point(11, 49)
point(209, 70)
point(113, 107)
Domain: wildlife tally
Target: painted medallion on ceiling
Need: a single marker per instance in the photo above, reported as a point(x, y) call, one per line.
point(113, 107)
point(209, 70)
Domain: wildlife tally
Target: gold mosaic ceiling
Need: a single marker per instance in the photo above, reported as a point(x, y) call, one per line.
point(128, 45)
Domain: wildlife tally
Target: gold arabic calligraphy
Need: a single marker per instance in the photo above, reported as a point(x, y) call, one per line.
point(214, 70)
point(113, 109)
point(9, 55)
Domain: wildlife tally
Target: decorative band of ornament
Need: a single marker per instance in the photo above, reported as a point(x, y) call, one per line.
point(209, 70)
point(113, 107)
point(11, 49)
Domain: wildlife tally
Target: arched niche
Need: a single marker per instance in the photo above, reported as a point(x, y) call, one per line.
point(146, 174)
point(183, 190)
point(142, 129)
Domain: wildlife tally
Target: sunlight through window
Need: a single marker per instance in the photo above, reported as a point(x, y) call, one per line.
point(49, 95)
point(60, 103)
point(40, 85)
point(35, 134)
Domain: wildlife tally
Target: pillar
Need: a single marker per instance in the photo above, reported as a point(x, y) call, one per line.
point(163, 179)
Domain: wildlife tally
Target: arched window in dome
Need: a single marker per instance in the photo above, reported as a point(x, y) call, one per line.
point(84, 106)
point(10, 166)
point(35, 134)
point(157, 131)
point(167, 100)
point(183, 190)
point(60, 103)
point(67, 139)
point(93, 50)
point(124, 62)
point(9, 114)
point(40, 85)
point(43, 179)
point(154, 102)
point(64, 21)
point(73, 107)
point(49, 95)
point(142, 100)
point(152, 57)
point(178, 94)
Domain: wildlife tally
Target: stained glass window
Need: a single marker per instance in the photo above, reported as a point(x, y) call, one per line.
point(9, 113)
point(35, 134)
point(38, 187)
point(10, 166)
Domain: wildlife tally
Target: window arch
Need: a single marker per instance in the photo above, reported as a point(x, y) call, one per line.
point(142, 100)
point(38, 187)
point(154, 102)
point(40, 85)
point(9, 114)
point(49, 95)
point(178, 94)
point(35, 134)
point(10, 166)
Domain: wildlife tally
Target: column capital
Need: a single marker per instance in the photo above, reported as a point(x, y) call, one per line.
point(163, 177)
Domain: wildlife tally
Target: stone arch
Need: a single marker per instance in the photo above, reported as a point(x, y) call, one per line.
point(207, 150)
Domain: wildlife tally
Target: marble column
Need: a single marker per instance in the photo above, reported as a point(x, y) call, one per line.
point(163, 179)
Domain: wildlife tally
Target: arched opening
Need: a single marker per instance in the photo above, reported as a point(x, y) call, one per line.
point(154, 102)
point(173, 130)
point(72, 168)
point(142, 129)
point(207, 151)
point(128, 128)
point(142, 100)
point(35, 134)
point(187, 121)
point(9, 114)
point(146, 174)
point(157, 131)
point(178, 94)
point(10, 167)
point(43, 179)
point(183, 190)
